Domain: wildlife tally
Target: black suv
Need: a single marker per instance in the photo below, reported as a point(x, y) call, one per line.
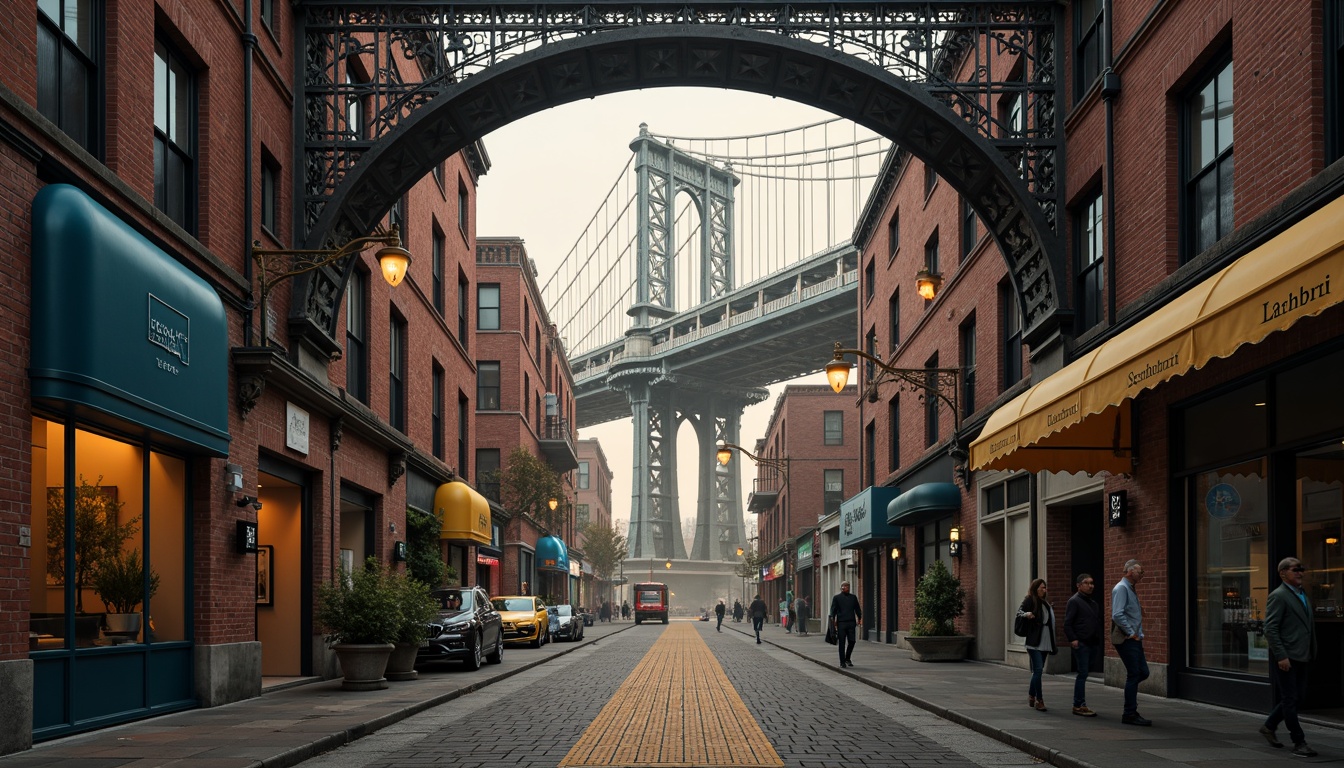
point(468, 628)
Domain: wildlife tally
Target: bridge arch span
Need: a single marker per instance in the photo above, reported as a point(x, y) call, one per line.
point(736, 58)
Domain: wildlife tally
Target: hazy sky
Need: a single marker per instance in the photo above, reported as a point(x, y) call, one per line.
point(549, 173)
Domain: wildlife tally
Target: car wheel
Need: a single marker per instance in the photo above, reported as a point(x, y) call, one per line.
point(636, 621)
point(498, 656)
point(474, 660)
point(539, 640)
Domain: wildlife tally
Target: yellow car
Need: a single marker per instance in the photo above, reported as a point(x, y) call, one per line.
point(525, 619)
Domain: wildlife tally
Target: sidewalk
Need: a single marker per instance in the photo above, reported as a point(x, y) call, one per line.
point(285, 727)
point(992, 699)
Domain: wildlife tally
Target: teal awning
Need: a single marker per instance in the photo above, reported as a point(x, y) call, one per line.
point(924, 503)
point(552, 554)
point(123, 334)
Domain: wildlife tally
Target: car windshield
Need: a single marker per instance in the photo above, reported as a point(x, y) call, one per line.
point(564, 610)
point(453, 599)
point(513, 604)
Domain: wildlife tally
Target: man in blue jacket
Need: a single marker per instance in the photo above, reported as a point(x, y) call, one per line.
point(1128, 616)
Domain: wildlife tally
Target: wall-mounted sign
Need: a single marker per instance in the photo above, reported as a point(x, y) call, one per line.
point(246, 536)
point(1117, 506)
point(486, 560)
point(398, 551)
point(296, 428)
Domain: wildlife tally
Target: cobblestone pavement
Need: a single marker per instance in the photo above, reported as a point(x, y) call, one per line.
point(810, 717)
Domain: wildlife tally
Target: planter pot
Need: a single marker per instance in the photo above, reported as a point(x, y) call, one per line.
point(401, 666)
point(123, 625)
point(363, 665)
point(949, 648)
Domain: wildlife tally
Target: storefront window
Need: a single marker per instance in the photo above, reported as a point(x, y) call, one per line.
point(123, 520)
point(1320, 519)
point(1229, 516)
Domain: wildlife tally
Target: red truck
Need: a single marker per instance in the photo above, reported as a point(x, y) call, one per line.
point(651, 601)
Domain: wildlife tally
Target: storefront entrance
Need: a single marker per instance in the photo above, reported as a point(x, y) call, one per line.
point(283, 555)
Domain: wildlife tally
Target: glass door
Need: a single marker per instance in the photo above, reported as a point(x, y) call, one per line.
point(1320, 523)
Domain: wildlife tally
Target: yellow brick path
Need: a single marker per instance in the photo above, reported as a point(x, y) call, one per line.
point(676, 708)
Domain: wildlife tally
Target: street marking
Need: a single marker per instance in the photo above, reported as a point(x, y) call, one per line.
point(676, 709)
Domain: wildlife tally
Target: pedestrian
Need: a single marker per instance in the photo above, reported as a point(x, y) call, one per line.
point(800, 614)
point(793, 617)
point(846, 616)
point(625, 610)
point(738, 610)
point(719, 610)
point(1127, 637)
point(1291, 633)
point(604, 613)
point(784, 615)
point(1040, 616)
point(758, 610)
point(1082, 627)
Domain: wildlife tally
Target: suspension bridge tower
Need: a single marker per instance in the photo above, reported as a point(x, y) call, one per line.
point(661, 401)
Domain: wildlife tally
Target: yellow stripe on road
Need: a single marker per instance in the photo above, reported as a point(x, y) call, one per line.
point(676, 708)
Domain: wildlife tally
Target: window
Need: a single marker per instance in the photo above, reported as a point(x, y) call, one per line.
point(968, 366)
point(1334, 80)
point(396, 216)
point(869, 281)
point(527, 404)
point(396, 367)
point(174, 137)
point(1089, 269)
point(894, 318)
point(463, 308)
point(462, 208)
point(487, 472)
point(1208, 177)
point(581, 515)
point(894, 433)
point(833, 428)
point(463, 425)
point(894, 234)
point(930, 179)
point(436, 269)
point(833, 490)
point(870, 452)
point(487, 386)
point(931, 259)
point(583, 476)
point(437, 172)
point(1087, 42)
point(934, 541)
point(270, 186)
point(969, 233)
point(436, 411)
point(354, 105)
point(356, 337)
point(487, 307)
point(931, 408)
point(870, 346)
point(67, 67)
point(268, 13)
point(1012, 335)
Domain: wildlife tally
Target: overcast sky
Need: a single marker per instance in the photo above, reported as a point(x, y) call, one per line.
point(550, 172)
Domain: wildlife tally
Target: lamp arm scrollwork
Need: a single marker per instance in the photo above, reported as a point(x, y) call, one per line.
point(943, 383)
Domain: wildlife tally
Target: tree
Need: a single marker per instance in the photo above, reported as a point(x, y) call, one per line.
point(527, 484)
point(99, 533)
point(424, 558)
point(605, 548)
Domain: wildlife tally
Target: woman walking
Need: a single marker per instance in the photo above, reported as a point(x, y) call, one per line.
point(1040, 618)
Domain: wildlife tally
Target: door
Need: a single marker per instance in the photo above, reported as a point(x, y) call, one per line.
point(1320, 527)
point(1089, 556)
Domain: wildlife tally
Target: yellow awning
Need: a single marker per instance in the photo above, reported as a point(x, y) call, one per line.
point(1078, 419)
point(464, 514)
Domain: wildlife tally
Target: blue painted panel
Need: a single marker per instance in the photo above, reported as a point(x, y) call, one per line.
point(123, 331)
point(108, 685)
point(171, 676)
point(50, 676)
point(863, 517)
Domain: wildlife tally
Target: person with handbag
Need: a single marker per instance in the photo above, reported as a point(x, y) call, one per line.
point(1040, 626)
point(1082, 627)
point(845, 617)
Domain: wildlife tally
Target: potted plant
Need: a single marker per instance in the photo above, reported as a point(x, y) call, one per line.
point(99, 533)
point(120, 583)
point(360, 615)
point(939, 601)
point(417, 608)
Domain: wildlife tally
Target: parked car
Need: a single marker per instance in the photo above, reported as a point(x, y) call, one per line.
point(566, 624)
point(467, 629)
point(525, 619)
point(589, 618)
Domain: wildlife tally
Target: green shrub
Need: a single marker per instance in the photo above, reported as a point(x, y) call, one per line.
point(417, 608)
point(360, 607)
point(939, 601)
point(120, 581)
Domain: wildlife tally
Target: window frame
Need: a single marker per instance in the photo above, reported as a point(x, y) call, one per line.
point(894, 234)
point(970, 229)
point(1010, 322)
point(1087, 48)
point(932, 433)
point(1089, 262)
point(356, 336)
point(166, 143)
point(483, 385)
point(437, 248)
point(894, 318)
point(584, 476)
point(1191, 242)
point(968, 349)
point(91, 60)
point(436, 407)
point(482, 308)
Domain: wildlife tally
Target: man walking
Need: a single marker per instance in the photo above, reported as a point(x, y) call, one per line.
point(1292, 644)
point(1128, 617)
point(1082, 627)
point(845, 616)
point(800, 614)
point(757, 609)
point(719, 610)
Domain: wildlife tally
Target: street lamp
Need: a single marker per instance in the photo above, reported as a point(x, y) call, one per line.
point(941, 383)
point(393, 259)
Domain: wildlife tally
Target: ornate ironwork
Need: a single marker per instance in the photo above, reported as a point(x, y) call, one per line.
point(942, 383)
point(389, 89)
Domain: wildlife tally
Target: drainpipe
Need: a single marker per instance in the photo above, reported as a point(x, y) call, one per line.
point(249, 39)
point(1110, 89)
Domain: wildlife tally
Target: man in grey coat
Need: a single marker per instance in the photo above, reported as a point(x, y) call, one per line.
point(1291, 633)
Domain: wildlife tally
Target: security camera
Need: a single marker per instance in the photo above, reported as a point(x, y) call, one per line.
point(243, 501)
point(256, 505)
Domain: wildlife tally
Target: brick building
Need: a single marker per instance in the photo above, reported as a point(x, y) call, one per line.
point(524, 399)
point(592, 504)
point(243, 455)
point(809, 465)
point(1186, 422)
